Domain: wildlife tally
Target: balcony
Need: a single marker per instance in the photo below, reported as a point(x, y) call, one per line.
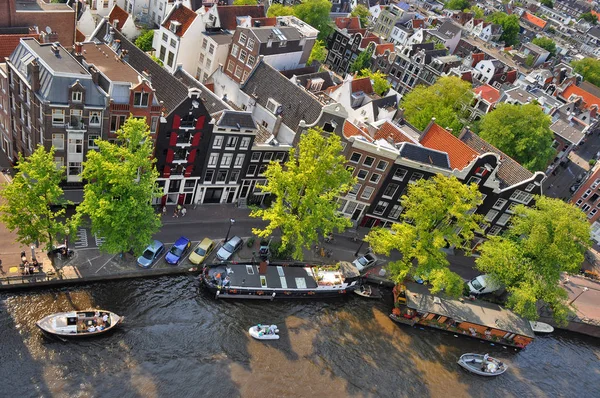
point(75, 124)
point(188, 123)
point(184, 139)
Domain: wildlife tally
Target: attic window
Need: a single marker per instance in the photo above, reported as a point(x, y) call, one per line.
point(174, 25)
point(273, 106)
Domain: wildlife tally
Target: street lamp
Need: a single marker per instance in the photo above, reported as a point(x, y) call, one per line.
point(359, 247)
point(231, 221)
point(585, 289)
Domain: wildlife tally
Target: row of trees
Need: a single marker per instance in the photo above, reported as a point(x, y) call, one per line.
point(121, 183)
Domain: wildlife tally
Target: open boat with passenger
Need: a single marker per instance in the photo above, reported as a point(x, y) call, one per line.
point(275, 281)
point(483, 365)
point(264, 332)
point(79, 323)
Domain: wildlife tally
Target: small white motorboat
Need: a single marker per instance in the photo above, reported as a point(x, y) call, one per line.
point(79, 323)
point(368, 291)
point(482, 365)
point(541, 327)
point(264, 332)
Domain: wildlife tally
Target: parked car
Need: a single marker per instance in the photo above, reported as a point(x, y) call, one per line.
point(231, 246)
point(151, 254)
point(483, 284)
point(366, 261)
point(178, 250)
point(204, 248)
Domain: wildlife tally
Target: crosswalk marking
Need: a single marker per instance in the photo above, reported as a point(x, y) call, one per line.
point(99, 240)
point(82, 240)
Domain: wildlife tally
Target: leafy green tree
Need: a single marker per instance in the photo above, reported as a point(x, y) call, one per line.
point(546, 43)
point(548, 3)
point(279, 10)
point(589, 17)
point(522, 132)
point(510, 26)
point(305, 192)
point(156, 59)
point(477, 12)
point(380, 83)
point(529, 61)
point(589, 68)
point(529, 258)
point(316, 14)
point(443, 100)
point(318, 52)
point(121, 185)
point(457, 4)
point(27, 201)
point(244, 2)
point(362, 13)
point(363, 61)
point(144, 40)
point(437, 213)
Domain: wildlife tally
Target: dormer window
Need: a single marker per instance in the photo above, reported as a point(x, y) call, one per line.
point(140, 99)
point(273, 106)
point(174, 25)
point(76, 96)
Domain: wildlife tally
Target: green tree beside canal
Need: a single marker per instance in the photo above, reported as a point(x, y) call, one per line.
point(438, 212)
point(121, 185)
point(305, 192)
point(28, 201)
point(529, 258)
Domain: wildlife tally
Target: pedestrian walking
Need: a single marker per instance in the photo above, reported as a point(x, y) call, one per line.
point(183, 211)
point(164, 210)
point(175, 212)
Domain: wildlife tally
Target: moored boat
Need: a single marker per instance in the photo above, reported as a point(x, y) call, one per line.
point(264, 332)
point(541, 327)
point(483, 365)
point(79, 323)
point(368, 291)
point(274, 281)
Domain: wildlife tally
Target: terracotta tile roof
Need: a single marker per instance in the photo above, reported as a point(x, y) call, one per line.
point(183, 15)
point(117, 13)
point(228, 14)
point(588, 99)
point(381, 48)
point(362, 84)
point(8, 43)
point(79, 37)
point(597, 14)
point(391, 133)
point(351, 130)
point(418, 23)
point(477, 58)
point(438, 138)
point(488, 93)
point(347, 23)
point(511, 76)
point(266, 21)
point(370, 39)
point(532, 19)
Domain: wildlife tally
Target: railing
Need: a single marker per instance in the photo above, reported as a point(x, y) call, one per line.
point(23, 279)
point(187, 123)
point(184, 139)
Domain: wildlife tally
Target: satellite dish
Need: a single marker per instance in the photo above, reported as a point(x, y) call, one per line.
point(48, 29)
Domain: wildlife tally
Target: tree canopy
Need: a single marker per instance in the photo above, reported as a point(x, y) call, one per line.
point(477, 12)
point(443, 100)
point(510, 26)
point(380, 83)
point(457, 4)
point(144, 40)
point(437, 213)
point(27, 201)
point(589, 68)
point(316, 14)
point(589, 17)
point(546, 43)
point(363, 61)
point(305, 192)
point(244, 2)
point(362, 13)
point(522, 132)
point(121, 185)
point(548, 3)
point(279, 10)
point(529, 258)
point(318, 52)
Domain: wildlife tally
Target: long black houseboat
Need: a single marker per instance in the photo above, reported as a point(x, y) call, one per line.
point(275, 281)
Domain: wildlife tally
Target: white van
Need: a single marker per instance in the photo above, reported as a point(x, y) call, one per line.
point(482, 284)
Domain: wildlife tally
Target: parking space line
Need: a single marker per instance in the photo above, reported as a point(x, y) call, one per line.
point(82, 240)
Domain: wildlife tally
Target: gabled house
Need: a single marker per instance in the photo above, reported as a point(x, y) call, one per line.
point(495, 73)
point(344, 44)
point(533, 22)
point(123, 22)
point(586, 198)
point(532, 55)
point(230, 17)
point(486, 98)
point(573, 8)
point(214, 48)
point(447, 34)
point(400, 34)
point(389, 17)
point(491, 33)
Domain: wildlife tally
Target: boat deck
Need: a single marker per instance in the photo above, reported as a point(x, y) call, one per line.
point(276, 277)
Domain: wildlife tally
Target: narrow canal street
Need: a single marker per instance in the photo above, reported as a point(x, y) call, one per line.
point(178, 342)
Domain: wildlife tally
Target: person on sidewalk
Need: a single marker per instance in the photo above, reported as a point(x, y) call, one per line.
point(175, 212)
point(183, 211)
point(164, 210)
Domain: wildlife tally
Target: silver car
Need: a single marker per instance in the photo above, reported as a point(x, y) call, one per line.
point(231, 246)
point(366, 261)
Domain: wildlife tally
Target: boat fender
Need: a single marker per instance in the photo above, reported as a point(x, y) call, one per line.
point(276, 330)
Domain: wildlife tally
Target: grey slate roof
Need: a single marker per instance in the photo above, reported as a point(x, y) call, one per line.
point(449, 29)
point(236, 119)
point(266, 82)
point(212, 103)
point(327, 80)
point(264, 33)
point(510, 172)
point(568, 132)
point(219, 38)
point(57, 72)
point(169, 89)
point(594, 32)
point(424, 155)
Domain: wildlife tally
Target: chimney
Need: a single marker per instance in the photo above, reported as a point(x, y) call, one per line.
point(95, 74)
point(593, 111)
point(33, 70)
point(78, 47)
point(115, 23)
point(52, 37)
point(277, 126)
point(256, 23)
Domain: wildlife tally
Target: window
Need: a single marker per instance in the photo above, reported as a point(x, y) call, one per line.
point(592, 213)
point(58, 141)
point(154, 124)
point(116, 122)
point(521, 197)
point(255, 157)
point(354, 190)
point(245, 143)
point(76, 96)
point(355, 157)
point(243, 55)
point(382, 165)
point(74, 168)
point(511, 207)
point(221, 175)
point(251, 170)
point(362, 174)
point(75, 145)
point(272, 106)
point(586, 194)
point(201, 59)
point(503, 219)
point(170, 60)
point(234, 175)
point(163, 52)
point(251, 44)
point(396, 211)
point(251, 60)
point(375, 178)
point(585, 208)
point(231, 142)
point(243, 39)
point(474, 180)
point(213, 159)
point(238, 71)
point(530, 187)
point(218, 141)
point(495, 230)
point(380, 208)
point(280, 156)
point(235, 50)
point(491, 215)
point(58, 117)
point(226, 160)
point(204, 44)
point(367, 192)
point(211, 49)
point(500, 204)
point(261, 169)
point(399, 174)
point(94, 118)
point(230, 66)
point(415, 177)
point(369, 161)
point(92, 140)
point(59, 162)
point(267, 156)
point(209, 175)
point(173, 43)
point(239, 160)
point(594, 185)
point(140, 99)
point(390, 191)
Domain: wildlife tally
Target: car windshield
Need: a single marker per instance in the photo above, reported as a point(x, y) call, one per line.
point(200, 251)
point(363, 261)
point(476, 285)
point(227, 246)
point(148, 254)
point(176, 251)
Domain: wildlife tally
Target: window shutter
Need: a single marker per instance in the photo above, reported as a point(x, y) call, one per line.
point(192, 156)
point(188, 171)
point(173, 139)
point(200, 122)
point(170, 155)
point(196, 139)
point(167, 172)
point(176, 122)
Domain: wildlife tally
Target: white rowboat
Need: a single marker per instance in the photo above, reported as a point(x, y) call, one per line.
point(264, 332)
point(541, 327)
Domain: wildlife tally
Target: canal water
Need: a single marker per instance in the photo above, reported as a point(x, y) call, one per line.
point(179, 342)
